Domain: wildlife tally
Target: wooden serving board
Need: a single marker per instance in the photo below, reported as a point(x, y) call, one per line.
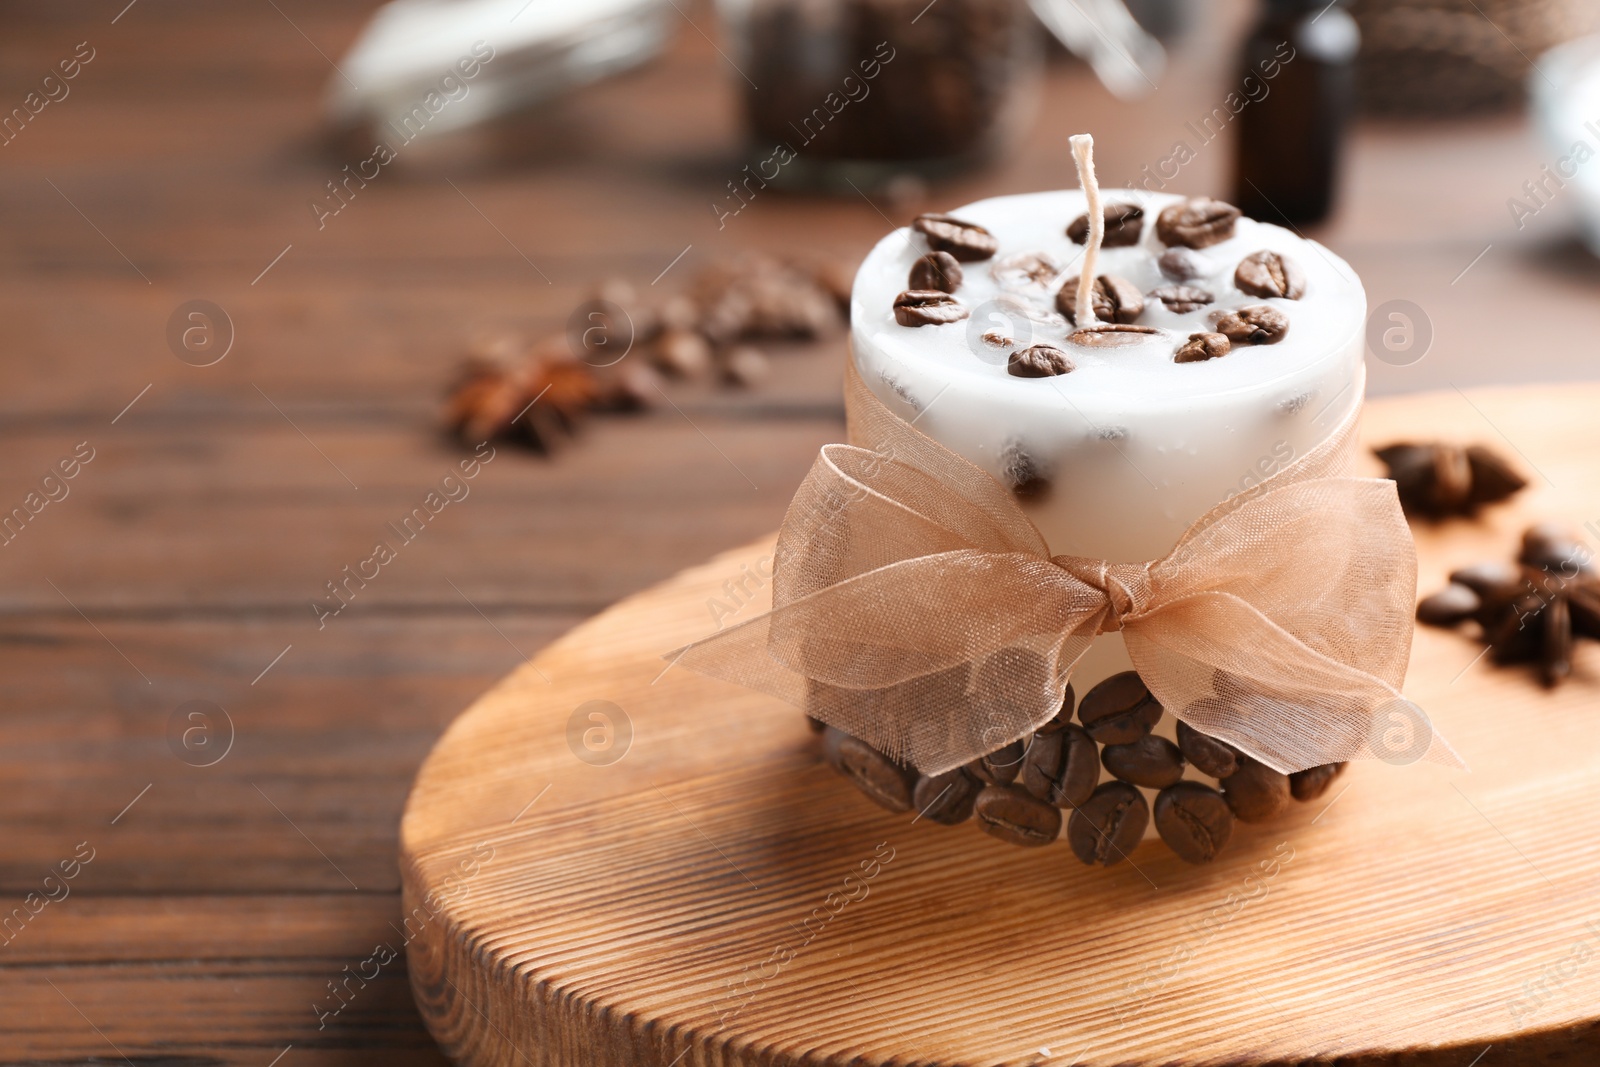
point(688, 904)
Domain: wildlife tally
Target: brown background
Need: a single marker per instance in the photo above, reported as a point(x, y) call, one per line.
point(221, 903)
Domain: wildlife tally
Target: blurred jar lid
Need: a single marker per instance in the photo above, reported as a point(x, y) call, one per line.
point(426, 66)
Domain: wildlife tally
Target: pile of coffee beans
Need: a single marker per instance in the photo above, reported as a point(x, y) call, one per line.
point(1024, 792)
point(931, 297)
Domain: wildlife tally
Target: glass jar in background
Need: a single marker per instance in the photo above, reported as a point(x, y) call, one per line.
point(865, 92)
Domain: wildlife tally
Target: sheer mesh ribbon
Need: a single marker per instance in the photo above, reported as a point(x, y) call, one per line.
point(916, 607)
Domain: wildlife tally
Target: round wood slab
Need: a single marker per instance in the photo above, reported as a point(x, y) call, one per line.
point(718, 896)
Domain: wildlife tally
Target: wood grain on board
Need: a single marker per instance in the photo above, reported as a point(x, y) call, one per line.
point(669, 907)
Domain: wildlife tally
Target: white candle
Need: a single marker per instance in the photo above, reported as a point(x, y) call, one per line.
point(1129, 447)
point(1133, 445)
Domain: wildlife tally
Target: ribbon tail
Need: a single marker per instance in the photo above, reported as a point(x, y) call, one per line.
point(1219, 664)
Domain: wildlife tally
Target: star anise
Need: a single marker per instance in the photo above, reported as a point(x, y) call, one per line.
point(1439, 479)
point(1530, 610)
point(536, 400)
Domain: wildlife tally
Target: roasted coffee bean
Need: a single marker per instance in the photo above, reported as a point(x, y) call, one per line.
point(967, 241)
point(1025, 270)
point(1023, 473)
point(1114, 299)
point(1194, 821)
point(1550, 546)
point(1111, 335)
point(1515, 635)
point(1108, 826)
point(1013, 815)
point(1184, 264)
point(744, 366)
point(1153, 762)
point(1201, 347)
point(1312, 782)
point(1255, 791)
point(927, 307)
point(1270, 274)
point(1209, 755)
point(1253, 325)
point(937, 271)
point(1001, 766)
point(1199, 222)
point(1061, 767)
point(1450, 606)
point(1491, 580)
point(1182, 299)
point(946, 798)
point(879, 777)
point(1039, 361)
point(1120, 710)
point(1124, 223)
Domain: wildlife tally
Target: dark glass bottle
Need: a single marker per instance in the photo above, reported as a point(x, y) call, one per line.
point(1298, 70)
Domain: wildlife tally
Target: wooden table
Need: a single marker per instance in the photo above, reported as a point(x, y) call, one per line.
point(222, 900)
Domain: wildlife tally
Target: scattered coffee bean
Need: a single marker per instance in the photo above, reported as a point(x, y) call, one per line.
point(1111, 335)
point(1201, 347)
point(946, 798)
point(1199, 222)
point(1120, 710)
point(1270, 274)
point(681, 353)
point(1001, 766)
point(1013, 815)
point(1153, 762)
point(1194, 821)
point(1039, 361)
point(1025, 270)
point(1182, 299)
point(1255, 791)
point(743, 365)
point(1124, 223)
point(1550, 546)
point(879, 777)
point(1491, 580)
point(1109, 825)
point(936, 270)
point(1114, 299)
point(927, 307)
point(1184, 264)
point(1257, 324)
point(1450, 606)
point(967, 241)
point(1312, 782)
point(1061, 767)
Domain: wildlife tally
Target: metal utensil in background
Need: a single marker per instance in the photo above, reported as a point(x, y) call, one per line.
point(412, 50)
point(1127, 60)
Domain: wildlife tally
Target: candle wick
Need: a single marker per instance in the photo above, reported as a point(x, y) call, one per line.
point(1083, 156)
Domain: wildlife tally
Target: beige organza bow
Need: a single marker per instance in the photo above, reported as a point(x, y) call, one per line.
point(917, 608)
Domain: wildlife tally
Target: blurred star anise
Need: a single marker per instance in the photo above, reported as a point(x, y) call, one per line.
point(1529, 611)
point(1438, 479)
